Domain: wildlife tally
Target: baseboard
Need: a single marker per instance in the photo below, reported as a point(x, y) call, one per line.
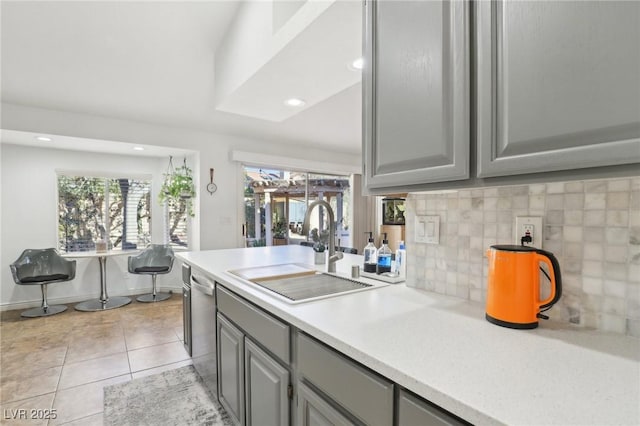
point(77, 299)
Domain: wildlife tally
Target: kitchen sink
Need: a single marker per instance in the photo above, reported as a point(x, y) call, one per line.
point(307, 287)
point(303, 286)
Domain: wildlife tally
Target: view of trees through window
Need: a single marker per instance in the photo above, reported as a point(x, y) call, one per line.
point(97, 208)
point(276, 202)
point(177, 226)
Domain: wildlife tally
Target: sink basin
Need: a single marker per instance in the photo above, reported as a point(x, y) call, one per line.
point(301, 285)
point(302, 288)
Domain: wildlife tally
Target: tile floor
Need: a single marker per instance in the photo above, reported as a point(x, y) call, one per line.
point(63, 362)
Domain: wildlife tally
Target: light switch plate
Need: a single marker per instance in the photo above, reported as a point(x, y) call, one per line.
point(427, 229)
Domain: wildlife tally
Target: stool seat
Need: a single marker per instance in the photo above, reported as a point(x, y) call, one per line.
point(155, 259)
point(45, 278)
point(152, 269)
point(42, 267)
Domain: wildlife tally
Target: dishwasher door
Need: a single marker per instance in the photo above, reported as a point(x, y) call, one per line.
point(203, 330)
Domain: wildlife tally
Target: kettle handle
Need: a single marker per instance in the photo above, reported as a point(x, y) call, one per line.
point(556, 279)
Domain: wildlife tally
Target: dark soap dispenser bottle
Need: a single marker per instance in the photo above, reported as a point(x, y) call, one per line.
point(384, 256)
point(370, 255)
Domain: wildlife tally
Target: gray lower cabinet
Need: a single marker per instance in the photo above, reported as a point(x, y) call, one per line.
point(231, 369)
point(254, 383)
point(272, 333)
point(414, 411)
point(558, 85)
point(266, 388)
point(313, 410)
point(348, 387)
point(416, 88)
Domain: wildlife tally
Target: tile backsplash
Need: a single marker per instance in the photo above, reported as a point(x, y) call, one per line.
point(592, 227)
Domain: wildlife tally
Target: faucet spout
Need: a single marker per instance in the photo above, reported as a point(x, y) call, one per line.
point(333, 256)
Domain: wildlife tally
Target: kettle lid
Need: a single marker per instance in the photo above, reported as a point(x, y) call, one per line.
point(513, 247)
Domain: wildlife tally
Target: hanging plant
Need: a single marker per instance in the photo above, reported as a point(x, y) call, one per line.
point(178, 189)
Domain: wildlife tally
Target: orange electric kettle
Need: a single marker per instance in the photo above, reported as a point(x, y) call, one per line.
point(513, 286)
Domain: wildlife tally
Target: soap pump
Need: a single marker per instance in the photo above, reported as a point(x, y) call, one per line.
point(370, 255)
point(384, 256)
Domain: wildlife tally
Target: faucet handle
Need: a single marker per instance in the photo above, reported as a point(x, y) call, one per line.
point(336, 256)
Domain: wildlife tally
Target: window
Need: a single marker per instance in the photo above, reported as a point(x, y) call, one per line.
point(275, 203)
point(117, 210)
point(176, 227)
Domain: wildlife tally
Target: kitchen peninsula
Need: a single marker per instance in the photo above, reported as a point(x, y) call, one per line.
point(443, 350)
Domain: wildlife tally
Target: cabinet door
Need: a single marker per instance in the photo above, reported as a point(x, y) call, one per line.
point(414, 411)
point(315, 411)
point(266, 388)
point(416, 92)
point(230, 369)
point(360, 392)
point(558, 85)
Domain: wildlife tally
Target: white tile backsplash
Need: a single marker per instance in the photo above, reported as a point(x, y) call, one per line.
point(592, 227)
point(595, 201)
point(618, 200)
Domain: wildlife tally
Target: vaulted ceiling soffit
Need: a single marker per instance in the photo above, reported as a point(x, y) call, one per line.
point(278, 50)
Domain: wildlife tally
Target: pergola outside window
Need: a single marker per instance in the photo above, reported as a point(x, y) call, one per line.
point(276, 202)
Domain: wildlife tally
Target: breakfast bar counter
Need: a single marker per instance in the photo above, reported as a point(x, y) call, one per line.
point(443, 349)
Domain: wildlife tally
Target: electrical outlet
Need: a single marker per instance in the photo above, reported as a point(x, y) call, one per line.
point(531, 225)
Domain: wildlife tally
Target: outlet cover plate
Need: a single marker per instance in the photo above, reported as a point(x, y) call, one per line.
point(524, 223)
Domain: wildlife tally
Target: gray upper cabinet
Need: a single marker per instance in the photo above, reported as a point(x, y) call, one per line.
point(552, 86)
point(416, 92)
point(558, 85)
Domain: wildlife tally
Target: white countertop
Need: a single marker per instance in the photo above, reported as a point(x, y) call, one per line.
point(443, 349)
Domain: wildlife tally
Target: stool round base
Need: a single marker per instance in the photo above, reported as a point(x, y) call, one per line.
point(150, 298)
point(98, 305)
point(40, 312)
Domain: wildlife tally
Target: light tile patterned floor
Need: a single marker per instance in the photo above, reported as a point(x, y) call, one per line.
point(63, 362)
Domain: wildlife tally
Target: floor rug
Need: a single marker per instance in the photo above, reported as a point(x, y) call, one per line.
point(175, 397)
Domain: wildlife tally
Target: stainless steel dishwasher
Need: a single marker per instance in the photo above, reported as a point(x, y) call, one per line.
point(203, 329)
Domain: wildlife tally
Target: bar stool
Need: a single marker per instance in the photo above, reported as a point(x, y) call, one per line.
point(155, 259)
point(43, 267)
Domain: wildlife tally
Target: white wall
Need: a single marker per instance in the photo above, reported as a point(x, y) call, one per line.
point(29, 220)
point(219, 216)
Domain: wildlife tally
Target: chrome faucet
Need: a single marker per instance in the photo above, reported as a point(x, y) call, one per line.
point(333, 256)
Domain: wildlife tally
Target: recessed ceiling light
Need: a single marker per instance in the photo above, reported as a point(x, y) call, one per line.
point(358, 64)
point(43, 139)
point(294, 102)
point(138, 148)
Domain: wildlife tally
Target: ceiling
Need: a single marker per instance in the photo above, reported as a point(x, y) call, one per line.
point(218, 66)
